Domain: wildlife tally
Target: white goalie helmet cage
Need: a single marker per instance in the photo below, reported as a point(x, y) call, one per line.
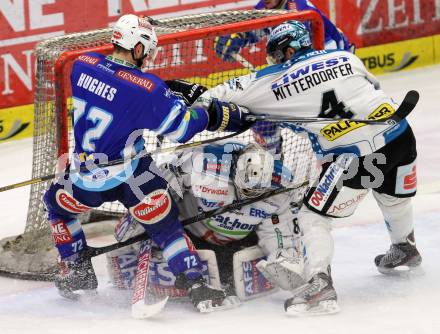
point(253, 171)
point(130, 31)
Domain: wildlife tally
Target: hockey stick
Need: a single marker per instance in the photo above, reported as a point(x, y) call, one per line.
point(405, 108)
point(120, 161)
point(95, 251)
point(139, 309)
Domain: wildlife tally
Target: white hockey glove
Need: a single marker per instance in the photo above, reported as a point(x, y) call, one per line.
point(283, 269)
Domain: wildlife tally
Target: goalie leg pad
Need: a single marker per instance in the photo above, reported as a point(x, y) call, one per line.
point(248, 280)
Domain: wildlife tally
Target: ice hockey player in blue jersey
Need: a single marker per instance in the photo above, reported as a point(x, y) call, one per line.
point(114, 101)
point(227, 45)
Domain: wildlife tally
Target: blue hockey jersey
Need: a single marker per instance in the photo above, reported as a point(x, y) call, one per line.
point(114, 102)
point(332, 34)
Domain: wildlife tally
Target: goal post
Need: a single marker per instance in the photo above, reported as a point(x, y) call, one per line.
point(186, 51)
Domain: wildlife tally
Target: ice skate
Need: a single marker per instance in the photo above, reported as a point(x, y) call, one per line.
point(317, 297)
point(205, 297)
point(76, 274)
point(401, 258)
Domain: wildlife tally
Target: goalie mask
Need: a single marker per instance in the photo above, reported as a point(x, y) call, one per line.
point(253, 171)
point(136, 34)
point(292, 34)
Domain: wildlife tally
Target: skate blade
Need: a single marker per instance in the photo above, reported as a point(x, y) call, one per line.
point(228, 303)
point(323, 308)
point(82, 295)
point(402, 271)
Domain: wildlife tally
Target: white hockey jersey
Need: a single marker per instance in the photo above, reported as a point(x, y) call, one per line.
point(330, 84)
point(206, 177)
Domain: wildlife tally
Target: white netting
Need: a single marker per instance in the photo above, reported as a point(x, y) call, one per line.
point(31, 255)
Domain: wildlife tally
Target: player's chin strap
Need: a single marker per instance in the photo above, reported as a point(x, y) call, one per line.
point(405, 108)
point(95, 251)
point(122, 160)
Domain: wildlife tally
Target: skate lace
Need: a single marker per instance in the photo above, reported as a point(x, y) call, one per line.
point(392, 254)
point(312, 288)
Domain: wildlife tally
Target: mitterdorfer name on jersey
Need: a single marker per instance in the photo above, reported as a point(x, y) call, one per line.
point(311, 75)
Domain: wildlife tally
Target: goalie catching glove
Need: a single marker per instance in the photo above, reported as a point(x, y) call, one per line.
point(283, 269)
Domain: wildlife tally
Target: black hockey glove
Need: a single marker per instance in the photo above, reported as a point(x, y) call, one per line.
point(187, 91)
point(227, 116)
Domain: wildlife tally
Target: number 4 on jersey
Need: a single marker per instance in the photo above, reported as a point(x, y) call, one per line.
point(332, 108)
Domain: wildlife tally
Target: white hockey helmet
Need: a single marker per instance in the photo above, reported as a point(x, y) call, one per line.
point(253, 171)
point(135, 34)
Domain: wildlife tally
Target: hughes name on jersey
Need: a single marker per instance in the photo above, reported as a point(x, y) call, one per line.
point(329, 84)
point(105, 128)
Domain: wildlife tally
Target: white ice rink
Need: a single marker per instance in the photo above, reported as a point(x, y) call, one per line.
point(370, 302)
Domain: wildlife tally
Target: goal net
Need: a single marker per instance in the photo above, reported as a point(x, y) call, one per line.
point(186, 51)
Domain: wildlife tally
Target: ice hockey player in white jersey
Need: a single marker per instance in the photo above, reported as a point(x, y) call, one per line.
point(303, 82)
point(217, 175)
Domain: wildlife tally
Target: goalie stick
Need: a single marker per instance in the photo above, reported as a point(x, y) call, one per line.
point(120, 161)
point(405, 108)
point(95, 251)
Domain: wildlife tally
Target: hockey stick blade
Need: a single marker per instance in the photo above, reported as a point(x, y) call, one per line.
point(140, 310)
point(405, 108)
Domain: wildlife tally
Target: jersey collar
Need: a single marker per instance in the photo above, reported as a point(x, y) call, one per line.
point(120, 62)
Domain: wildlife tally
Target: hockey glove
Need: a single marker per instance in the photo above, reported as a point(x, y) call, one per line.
point(227, 45)
point(187, 91)
point(227, 116)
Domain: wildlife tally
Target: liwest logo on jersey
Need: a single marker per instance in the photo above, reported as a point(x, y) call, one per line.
point(334, 131)
point(301, 79)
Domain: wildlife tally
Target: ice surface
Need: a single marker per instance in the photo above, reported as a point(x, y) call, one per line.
point(370, 302)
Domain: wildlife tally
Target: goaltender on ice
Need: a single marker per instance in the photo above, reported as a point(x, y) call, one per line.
point(210, 178)
point(114, 101)
point(355, 156)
